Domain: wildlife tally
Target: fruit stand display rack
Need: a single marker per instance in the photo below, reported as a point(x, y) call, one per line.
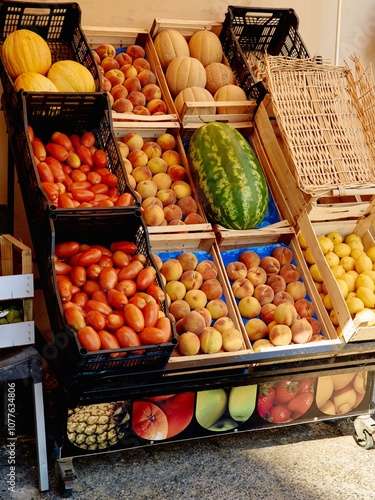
point(217, 392)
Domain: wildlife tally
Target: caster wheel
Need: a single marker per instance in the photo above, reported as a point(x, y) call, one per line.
point(66, 490)
point(368, 442)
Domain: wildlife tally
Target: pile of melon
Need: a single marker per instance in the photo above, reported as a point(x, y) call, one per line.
point(195, 71)
point(28, 61)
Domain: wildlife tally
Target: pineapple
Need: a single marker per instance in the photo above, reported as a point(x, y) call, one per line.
point(97, 426)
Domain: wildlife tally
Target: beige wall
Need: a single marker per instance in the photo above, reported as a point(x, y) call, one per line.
point(318, 28)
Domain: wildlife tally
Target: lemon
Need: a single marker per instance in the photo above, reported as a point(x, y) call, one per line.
point(356, 253)
point(315, 273)
point(342, 249)
point(370, 252)
point(352, 236)
point(356, 245)
point(350, 295)
point(369, 272)
point(337, 271)
point(364, 281)
point(353, 273)
point(333, 317)
point(318, 286)
point(302, 241)
point(367, 296)
point(348, 263)
point(355, 305)
point(349, 280)
point(325, 244)
point(327, 302)
point(324, 288)
point(332, 259)
point(343, 287)
point(336, 237)
point(308, 256)
point(363, 263)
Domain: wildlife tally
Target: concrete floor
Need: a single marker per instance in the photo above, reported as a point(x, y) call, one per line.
point(312, 461)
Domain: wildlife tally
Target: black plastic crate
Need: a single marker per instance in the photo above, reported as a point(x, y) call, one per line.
point(66, 349)
point(258, 30)
point(60, 26)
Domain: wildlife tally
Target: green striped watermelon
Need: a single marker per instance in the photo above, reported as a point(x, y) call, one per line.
point(228, 176)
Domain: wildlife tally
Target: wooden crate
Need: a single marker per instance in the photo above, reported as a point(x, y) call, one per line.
point(204, 242)
point(352, 329)
point(151, 133)
point(122, 38)
point(230, 249)
point(190, 117)
point(17, 282)
point(292, 202)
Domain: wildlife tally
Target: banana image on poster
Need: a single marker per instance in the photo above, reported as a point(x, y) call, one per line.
point(221, 410)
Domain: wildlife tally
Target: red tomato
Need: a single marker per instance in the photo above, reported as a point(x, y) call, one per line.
point(134, 317)
point(125, 246)
point(95, 319)
point(53, 162)
point(109, 342)
point(102, 171)
point(100, 158)
point(65, 288)
point(90, 256)
point(89, 339)
point(30, 133)
point(88, 139)
point(57, 151)
point(164, 324)
point(74, 318)
point(39, 149)
point(152, 335)
point(156, 292)
point(145, 277)
point(44, 172)
point(104, 203)
point(114, 321)
point(111, 180)
point(127, 287)
point(117, 299)
point(130, 271)
point(151, 313)
point(66, 200)
point(52, 191)
point(76, 140)
point(90, 286)
point(80, 299)
point(125, 200)
point(105, 250)
point(101, 296)
point(128, 338)
point(108, 279)
point(62, 268)
point(138, 301)
point(85, 155)
point(62, 139)
point(78, 275)
point(105, 261)
point(94, 177)
point(79, 176)
point(58, 173)
point(100, 188)
point(67, 169)
point(93, 271)
point(66, 249)
point(78, 185)
point(96, 305)
point(84, 168)
point(120, 259)
point(83, 195)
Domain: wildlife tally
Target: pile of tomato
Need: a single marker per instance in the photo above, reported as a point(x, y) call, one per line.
point(110, 295)
point(74, 173)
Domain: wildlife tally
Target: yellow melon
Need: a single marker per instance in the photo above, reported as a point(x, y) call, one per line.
point(183, 72)
point(194, 94)
point(230, 93)
point(218, 75)
point(169, 44)
point(206, 47)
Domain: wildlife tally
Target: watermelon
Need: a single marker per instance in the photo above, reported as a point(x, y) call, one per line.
point(228, 176)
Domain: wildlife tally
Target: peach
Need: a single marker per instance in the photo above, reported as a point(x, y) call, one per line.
point(140, 63)
point(151, 92)
point(166, 141)
point(296, 289)
point(188, 260)
point(242, 287)
point(205, 313)
point(128, 70)
point(152, 149)
point(105, 50)
point(163, 181)
point(192, 279)
point(181, 188)
point(132, 83)
point(264, 294)
point(256, 329)
point(146, 189)
point(141, 172)
point(207, 268)
point(177, 172)
point(217, 308)
point(223, 323)
point(283, 254)
point(172, 212)
point(122, 105)
point(249, 258)
point(171, 269)
point(194, 219)
point(151, 200)
point(175, 290)
point(304, 308)
point(193, 322)
point(211, 340)
point(157, 165)
point(156, 106)
point(276, 282)
point(188, 344)
point(280, 335)
point(257, 275)
point(179, 308)
point(131, 180)
point(188, 205)
point(123, 58)
point(111, 99)
point(118, 91)
point(96, 57)
point(146, 77)
point(301, 331)
point(133, 140)
point(262, 345)
point(137, 98)
point(135, 51)
point(109, 63)
point(232, 340)
point(196, 299)
point(285, 313)
point(171, 157)
point(289, 272)
point(176, 222)
point(281, 297)
point(101, 71)
point(270, 264)
point(212, 288)
point(235, 270)
point(137, 157)
point(153, 215)
point(267, 313)
point(141, 110)
point(166, 196)
point(315, 325)
point(106, 84)
point(115, 76)
point(249, 307)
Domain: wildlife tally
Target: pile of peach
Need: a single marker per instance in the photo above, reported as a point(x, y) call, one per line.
point(272, 299)
point(127, 77)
